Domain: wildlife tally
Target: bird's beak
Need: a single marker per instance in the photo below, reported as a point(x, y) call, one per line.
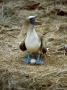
point(38, 23)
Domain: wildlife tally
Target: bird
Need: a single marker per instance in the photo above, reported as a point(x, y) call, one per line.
point(32, 43)
point(32, 40)
point(65, 49)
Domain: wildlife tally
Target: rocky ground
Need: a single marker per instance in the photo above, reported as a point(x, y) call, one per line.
point(51, 17)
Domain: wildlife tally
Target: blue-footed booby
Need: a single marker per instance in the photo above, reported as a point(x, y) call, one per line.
point(32, 44)
point(32, 40)
point(65, 49)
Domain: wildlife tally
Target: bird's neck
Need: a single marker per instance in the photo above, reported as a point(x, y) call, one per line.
point(30, 29)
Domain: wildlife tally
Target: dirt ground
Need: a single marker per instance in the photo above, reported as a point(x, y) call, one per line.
point(14, 75)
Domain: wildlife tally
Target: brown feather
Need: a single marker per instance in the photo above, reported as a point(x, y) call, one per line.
point(22, 46)
point(42, 49)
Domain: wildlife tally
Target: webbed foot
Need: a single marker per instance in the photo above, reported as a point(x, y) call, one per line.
point(27, 59)
point(39, 60)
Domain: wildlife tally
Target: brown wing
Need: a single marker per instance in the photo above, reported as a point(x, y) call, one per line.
point(22, 46)
point(42, 49)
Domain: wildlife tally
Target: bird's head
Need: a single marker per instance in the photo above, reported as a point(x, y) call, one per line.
point(31, 19)
point(65, 47)
point(28, 22)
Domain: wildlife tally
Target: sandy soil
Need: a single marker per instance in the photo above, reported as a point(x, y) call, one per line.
point(14, 75)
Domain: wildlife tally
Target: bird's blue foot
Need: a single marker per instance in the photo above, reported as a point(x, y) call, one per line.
point(39, 60)
point(27, 59)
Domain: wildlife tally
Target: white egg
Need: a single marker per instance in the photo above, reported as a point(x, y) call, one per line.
point(33, 61)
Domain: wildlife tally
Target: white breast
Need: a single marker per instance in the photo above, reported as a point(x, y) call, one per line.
point(32, 41)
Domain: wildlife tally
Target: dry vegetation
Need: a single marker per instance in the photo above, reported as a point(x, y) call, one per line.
point(52, 24)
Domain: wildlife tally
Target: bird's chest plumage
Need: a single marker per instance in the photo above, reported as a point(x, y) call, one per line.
point(32, 41)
